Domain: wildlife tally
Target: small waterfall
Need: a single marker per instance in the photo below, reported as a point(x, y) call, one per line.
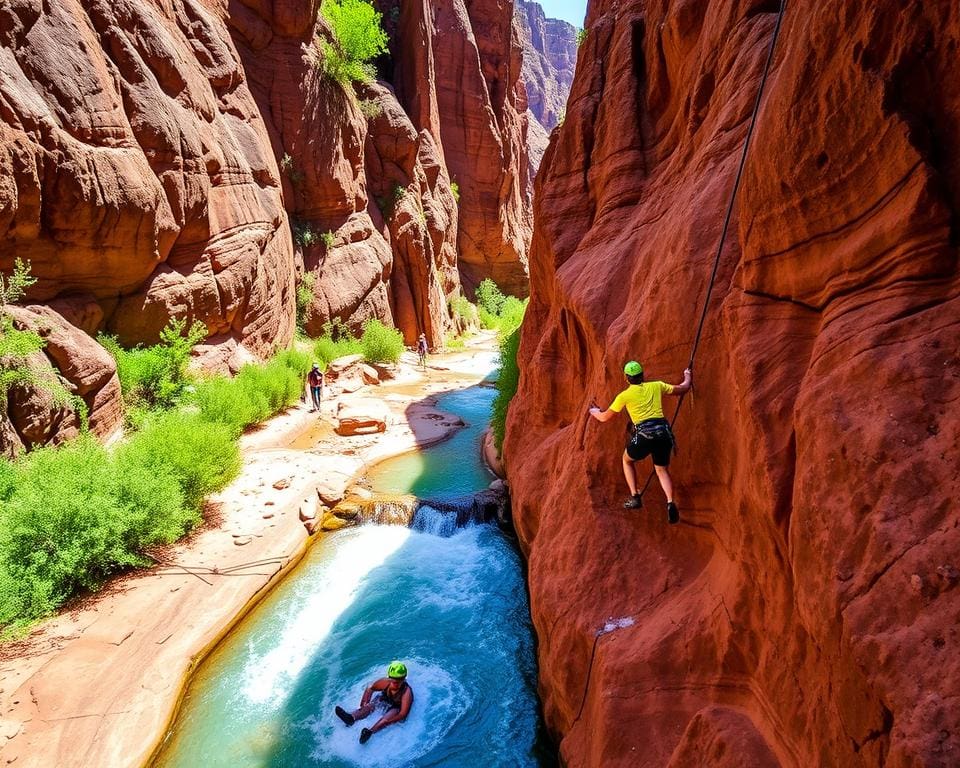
point(440, 518)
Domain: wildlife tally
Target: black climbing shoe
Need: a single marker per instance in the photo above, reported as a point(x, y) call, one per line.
point(634, 502)
point(344, 715)
point(673, 514)
point(365, 735)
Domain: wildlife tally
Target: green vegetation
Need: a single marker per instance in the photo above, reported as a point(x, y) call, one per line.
point(496, 311)
point(581, 36)
point(292, 172)
point(358, 39)
point(335, 341)
point(71, 516)
point(462, 308)
point(328, 239)
point(155, 376)
point(303, 234)
point(254, 394)
point(380, 344)
point(506, 384)
point(16, 347)
point(455, 189)
point(370, 108)
point(304, 297)
point(454, 343)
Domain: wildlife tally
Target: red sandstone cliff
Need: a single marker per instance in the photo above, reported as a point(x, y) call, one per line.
point(805, 611)
point(457, 66)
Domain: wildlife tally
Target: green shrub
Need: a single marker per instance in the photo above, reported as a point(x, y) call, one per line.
point(461, 307)
point(581, 36)
point(155, 376)
point(455, 189)
point(63, 529)
point(328, 239)
point(303, 234)
point(487, 319)
point(507, 380)
point(489, 296)
point(199, 453)
point(336, 341)
point(304, 298)
point(452, 342)
point(358, 39)
point(380, 344)
point(370, 108)
point(511, 314)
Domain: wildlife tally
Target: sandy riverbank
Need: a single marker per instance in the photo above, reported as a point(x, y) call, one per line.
point(98, 684)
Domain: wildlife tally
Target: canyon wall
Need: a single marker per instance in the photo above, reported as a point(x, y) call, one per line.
point(191, 159)
point(457, 72)
point(805, 612)
point(549, 59)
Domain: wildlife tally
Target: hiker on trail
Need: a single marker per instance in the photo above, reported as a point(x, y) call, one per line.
point(651, 431)
point(315, 381)
point(396, 696)
point(422, 349)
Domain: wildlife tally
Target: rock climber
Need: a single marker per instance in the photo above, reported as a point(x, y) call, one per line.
point(315, 381)
point(651, 431)
point(422, 349)
point(396, 696)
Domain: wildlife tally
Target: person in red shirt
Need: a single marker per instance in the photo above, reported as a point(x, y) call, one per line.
point(315, 381)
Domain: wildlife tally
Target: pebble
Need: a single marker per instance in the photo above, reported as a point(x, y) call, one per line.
point(282, 483)
point(243, 540)
point(268, 515)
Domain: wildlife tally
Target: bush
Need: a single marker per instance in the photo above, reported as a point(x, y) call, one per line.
point(200, 454)
point(461, 307)
point(507, 380)
point(328, 239)
point(64, 528)
point(455, 189)
point(489, 297)
point(336, 341)
point(358, 39)
point(304, 297)
point(511, 315)
point(155, 376)
point(380, 344)
point(370, 108)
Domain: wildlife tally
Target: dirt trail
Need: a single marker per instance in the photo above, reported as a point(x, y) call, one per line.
point(97, 685)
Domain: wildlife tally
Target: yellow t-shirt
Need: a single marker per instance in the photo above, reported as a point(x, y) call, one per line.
point(643, 401)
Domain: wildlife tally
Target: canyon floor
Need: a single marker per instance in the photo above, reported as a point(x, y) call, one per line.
point(99, 683)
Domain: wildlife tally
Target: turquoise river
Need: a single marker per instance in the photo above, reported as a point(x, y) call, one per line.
point(450, 602)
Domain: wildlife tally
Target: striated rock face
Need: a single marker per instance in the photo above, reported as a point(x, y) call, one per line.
point(549, 59)
point(805, 611)
point(457, 73)
point(138, 169)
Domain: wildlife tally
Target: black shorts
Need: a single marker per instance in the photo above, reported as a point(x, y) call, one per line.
point(639, 448)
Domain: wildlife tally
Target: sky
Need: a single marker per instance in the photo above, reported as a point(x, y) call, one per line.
point(568, 10)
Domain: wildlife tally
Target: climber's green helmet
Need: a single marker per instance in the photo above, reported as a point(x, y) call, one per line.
point(397, 670)
point(633, 368)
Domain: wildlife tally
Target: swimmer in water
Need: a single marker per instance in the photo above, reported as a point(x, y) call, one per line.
point(395, 692)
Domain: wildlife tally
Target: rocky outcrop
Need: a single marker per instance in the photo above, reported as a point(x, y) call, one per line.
point(33, 416)
point(549, 60)
point(804, 612)
point(457, 74)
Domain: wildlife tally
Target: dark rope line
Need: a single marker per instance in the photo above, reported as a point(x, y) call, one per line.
point(729, 215)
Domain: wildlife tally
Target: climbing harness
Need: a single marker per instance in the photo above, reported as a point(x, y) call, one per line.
point(729, 214)
point(612, 627)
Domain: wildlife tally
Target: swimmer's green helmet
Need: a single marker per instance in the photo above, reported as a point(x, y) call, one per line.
point(397, 670)
point(633, 368)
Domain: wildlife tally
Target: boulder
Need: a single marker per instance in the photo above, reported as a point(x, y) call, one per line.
point(361, 416)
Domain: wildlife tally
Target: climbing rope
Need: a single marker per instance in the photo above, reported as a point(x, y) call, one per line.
point(729, 215)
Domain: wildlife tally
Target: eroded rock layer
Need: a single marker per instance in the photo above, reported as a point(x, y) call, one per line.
point(549, 59)
point(458, 75)
point(806, 610)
